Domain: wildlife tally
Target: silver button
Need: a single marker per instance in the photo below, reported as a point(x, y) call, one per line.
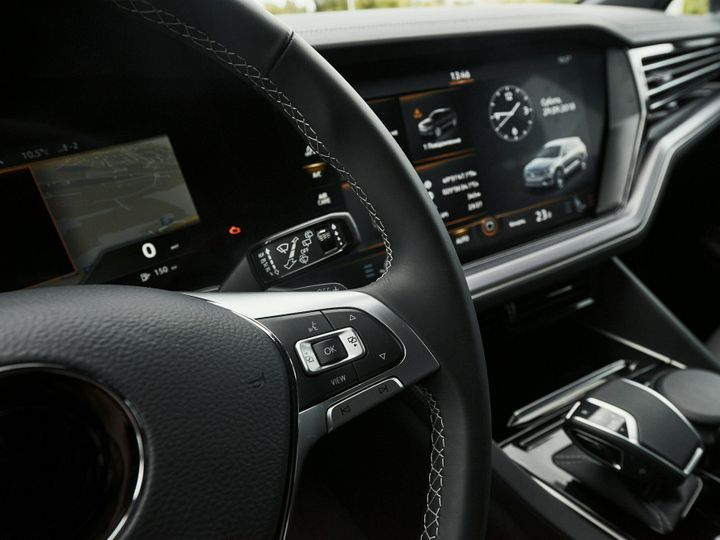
point(363, 401)
point(348, 337)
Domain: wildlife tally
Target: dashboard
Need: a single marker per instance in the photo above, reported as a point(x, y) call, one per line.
point(506, 152)
point(162, 170)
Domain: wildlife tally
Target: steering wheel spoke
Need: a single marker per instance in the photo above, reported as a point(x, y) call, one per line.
point(349, 351)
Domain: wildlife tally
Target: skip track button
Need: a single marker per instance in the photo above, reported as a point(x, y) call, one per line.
point(361, 402)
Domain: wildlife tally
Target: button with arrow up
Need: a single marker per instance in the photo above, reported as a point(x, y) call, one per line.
point(383, 349)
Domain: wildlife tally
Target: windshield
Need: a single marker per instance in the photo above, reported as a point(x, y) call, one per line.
point(310, 6)
point(676, 7)
point(549, 151)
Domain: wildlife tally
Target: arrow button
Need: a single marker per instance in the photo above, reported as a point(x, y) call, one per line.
point(382, 348)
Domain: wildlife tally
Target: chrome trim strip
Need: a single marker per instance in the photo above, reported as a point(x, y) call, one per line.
point(694, 460)
point(630, 421)
point(635, 57)
point(679, 81)
point(699, 53)
point(640, 348)
point(560, 250)
point(572, 410)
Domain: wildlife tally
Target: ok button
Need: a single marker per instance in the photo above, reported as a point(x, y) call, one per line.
point(329, 351)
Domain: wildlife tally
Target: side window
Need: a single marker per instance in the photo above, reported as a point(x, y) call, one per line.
point(688, 7)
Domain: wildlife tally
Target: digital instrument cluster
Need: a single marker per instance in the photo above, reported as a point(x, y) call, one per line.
point(95, 216)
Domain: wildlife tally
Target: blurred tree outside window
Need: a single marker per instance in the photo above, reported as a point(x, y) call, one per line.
point(311, 6)
point(689, 7)
point(676, 7)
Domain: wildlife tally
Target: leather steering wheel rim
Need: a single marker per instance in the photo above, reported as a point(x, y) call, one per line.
point(424, 285)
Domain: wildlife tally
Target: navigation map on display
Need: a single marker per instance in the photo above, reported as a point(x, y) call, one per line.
point(95, 216)
point(114, 196)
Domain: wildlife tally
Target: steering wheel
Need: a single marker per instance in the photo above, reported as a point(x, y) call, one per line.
point(204, 397)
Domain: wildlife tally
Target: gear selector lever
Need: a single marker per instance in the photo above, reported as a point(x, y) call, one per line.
point(636, 431)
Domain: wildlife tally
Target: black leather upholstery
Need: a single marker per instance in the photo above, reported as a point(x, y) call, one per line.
point(695, 392)
point(218, 443)
point(661, 514)
point(425, 283)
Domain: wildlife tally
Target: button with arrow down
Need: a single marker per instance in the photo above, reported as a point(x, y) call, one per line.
point(383, 348)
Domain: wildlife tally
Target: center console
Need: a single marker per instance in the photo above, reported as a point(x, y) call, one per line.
point(628, 442)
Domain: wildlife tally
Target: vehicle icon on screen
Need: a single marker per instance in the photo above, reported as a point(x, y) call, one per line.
point(556, 162)
point(438, 123)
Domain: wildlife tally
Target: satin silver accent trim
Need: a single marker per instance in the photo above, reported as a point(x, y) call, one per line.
point(572, 410)
point(630, 421)
point(308, 358)
point(640, 348)
point(694, 460)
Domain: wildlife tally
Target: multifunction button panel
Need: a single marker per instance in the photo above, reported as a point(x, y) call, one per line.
point(335, 349)
point(324, 352)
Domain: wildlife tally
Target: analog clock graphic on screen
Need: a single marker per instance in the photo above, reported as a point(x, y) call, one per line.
point(511, 113)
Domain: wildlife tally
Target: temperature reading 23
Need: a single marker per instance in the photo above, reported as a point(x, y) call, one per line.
point(543, 215)
point(511, 113)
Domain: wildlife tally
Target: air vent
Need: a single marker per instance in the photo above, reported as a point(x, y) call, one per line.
point(675, 73)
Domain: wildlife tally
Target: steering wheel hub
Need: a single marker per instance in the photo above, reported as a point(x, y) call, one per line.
point(189, 369)
point(71, 455)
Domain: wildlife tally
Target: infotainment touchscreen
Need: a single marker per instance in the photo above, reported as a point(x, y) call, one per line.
point(505, 150)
